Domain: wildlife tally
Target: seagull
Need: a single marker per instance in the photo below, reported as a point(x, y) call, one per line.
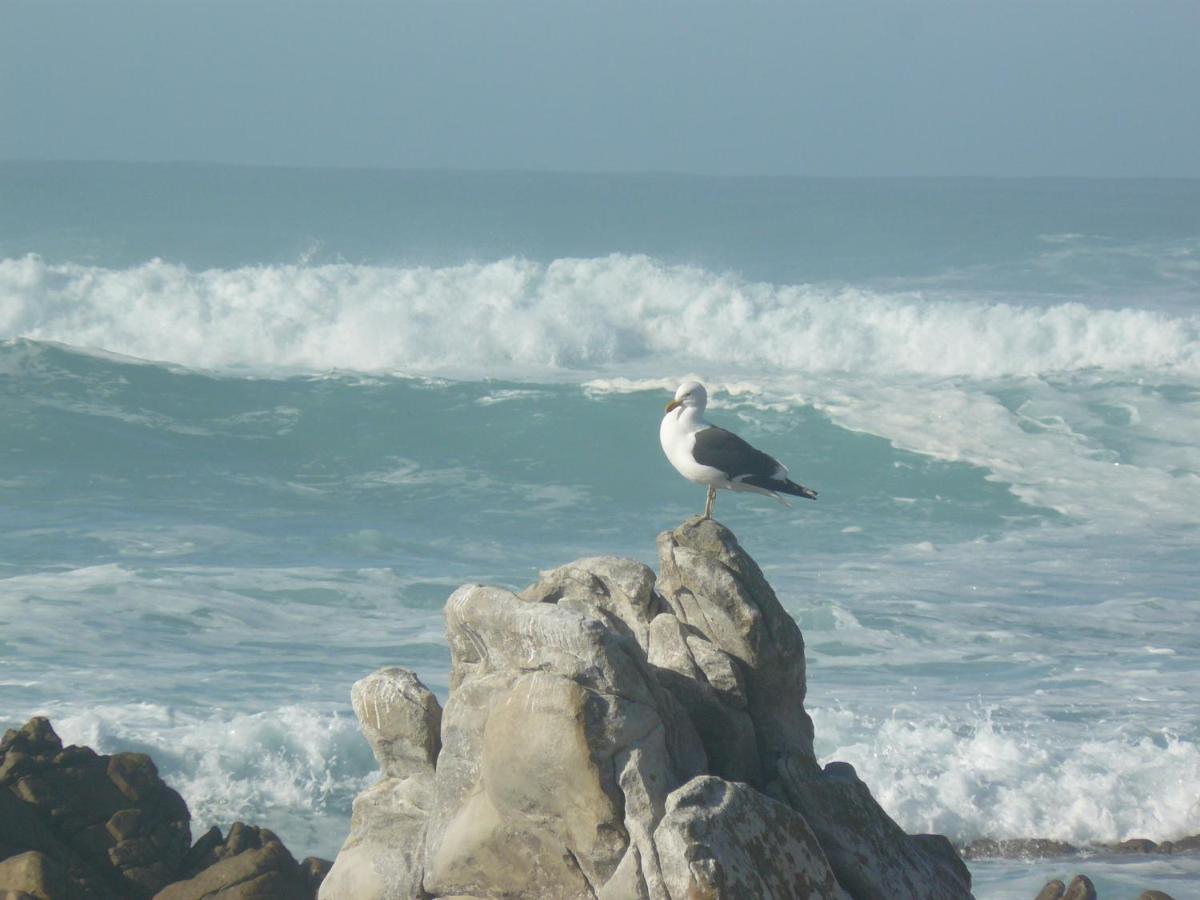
point(709, 455)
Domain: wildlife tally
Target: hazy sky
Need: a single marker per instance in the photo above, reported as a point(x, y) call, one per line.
point(1002, 87)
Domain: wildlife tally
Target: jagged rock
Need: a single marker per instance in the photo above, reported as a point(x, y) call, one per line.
point(713, 585)
point(1136, 845)
point(384, 854)
point(559, 748)
point(606, 740)
point(74, 823)
point(720, 839)
point(702, 677)
point(401, 719)
point(619, 592)
point(251, 863)
point(109, 821)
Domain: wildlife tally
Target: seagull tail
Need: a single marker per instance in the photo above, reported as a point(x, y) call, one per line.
point(783, 486)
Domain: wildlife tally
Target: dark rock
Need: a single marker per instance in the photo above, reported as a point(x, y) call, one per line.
point(1136, 845)
point(76, 824)
point(313, 870)
point(251, 862)
point(203, 853)
point(264, 871)
point(1017, 848)
point(1154, 895)
point(1190, 844)
point(35, 875)
point(1053, 890)
point(1080, 888)
point(110, 821)
point(35, 737)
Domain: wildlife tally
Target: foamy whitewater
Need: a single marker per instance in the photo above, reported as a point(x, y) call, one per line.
point(258, 424)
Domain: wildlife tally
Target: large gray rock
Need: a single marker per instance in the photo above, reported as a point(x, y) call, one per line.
point(714, 586)
point(604, 739)
point(722, 839)
point(618, 592)
point(559, 750)
point(384, 855)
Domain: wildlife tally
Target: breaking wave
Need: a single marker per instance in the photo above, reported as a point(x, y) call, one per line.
point(519, 317)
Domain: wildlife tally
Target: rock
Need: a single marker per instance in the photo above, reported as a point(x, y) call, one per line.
point(725, 840)
point(1017, 848)
point(74, 823)
point(1190, 844)
point(314, 870)
point(1080, 888)
point(109, 821)
point(1154, 895)
point(606, 740)
point(1135, 845)
point(712, 585)
point(708, 683)
point(870, 853)
point(715, 587)
point(384, 855)
point(1053, 890)
point(35, 875)
point(401, 719)
point(619, 592)
point(559, 750)
point(251, 863)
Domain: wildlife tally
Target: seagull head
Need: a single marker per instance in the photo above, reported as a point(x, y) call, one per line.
point(691, 395)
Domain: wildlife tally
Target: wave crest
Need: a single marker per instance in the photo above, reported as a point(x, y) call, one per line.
point(570, 315)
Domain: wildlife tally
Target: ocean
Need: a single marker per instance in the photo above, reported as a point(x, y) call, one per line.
point(258, 423)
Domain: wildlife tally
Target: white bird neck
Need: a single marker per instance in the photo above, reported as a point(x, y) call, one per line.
point(692, 418)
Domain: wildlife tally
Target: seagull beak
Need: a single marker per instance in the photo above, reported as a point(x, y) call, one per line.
point(673, 404)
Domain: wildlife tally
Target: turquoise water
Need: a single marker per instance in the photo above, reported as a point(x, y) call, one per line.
point(258, 424)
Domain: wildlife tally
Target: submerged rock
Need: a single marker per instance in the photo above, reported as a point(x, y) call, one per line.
point(609, 737)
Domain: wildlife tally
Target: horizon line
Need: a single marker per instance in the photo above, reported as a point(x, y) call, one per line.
point(584, 172)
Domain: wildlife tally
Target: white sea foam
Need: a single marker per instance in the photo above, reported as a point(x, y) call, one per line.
point(296, 765)
point(970, 778)
point(569, 315)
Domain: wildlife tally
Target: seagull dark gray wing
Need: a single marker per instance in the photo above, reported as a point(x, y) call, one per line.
point(726, 451)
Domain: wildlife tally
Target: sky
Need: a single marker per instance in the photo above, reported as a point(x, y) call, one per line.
point(837, 88)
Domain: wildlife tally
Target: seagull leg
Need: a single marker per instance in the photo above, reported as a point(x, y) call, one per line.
point(708, 505)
